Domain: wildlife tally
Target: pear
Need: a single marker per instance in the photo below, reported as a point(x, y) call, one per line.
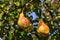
point(24, 23)
point(43, 28)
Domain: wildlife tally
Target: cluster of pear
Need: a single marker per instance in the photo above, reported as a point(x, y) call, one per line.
point(24, 23)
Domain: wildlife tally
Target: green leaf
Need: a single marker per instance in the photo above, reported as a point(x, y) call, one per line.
point(1, 15)
point(10, 36)
point(23, 2)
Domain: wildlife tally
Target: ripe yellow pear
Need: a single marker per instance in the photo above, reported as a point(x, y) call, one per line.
point(43, 28)
point(24, 22)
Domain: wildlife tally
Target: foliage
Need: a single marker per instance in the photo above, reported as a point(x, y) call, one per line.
point(48, 10)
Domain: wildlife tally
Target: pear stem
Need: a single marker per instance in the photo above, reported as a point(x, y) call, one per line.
point(22, 15)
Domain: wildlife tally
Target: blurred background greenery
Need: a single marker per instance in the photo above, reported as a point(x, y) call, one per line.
point(48, 10)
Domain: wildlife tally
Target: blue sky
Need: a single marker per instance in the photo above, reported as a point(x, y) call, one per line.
point(33, 15)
